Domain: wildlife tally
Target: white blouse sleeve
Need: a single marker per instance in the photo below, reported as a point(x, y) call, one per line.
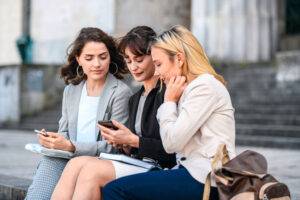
point(177, 129)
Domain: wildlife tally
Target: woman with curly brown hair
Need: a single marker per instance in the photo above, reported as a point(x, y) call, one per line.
point(93, 92)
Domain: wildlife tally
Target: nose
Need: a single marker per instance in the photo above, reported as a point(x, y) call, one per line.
point(156, 73)
point(97, 62)
point(133, 66)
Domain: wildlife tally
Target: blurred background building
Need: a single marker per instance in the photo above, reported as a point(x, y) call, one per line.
point(255, 44)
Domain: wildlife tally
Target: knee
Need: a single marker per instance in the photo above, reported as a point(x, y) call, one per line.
point(97, 171)
point(77, 161)
point(92, 170)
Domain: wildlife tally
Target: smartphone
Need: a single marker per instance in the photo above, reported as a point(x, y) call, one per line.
point(43, 132)
point(108, 124)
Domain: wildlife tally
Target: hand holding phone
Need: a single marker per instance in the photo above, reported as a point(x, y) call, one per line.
point(108, 124)
point(43, 132)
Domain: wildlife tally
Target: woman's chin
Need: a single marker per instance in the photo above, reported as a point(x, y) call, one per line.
point(97, 77)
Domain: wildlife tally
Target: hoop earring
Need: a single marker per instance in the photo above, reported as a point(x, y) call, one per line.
point(77, 72)
point(116, 68)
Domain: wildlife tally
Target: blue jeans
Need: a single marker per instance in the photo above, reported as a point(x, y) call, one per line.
point(164, 184)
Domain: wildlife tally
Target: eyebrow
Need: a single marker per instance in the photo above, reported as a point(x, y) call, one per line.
point(99, 54)
point(134, 57)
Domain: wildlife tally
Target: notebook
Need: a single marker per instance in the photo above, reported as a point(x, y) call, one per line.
point(129, 160)
point(37, 148)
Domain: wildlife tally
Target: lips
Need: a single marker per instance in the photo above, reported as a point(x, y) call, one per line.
point(97, 71)
point(138, 74)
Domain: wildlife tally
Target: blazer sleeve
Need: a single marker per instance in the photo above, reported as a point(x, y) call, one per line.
point(119, 112)
point(176, 129)
point(63, 122)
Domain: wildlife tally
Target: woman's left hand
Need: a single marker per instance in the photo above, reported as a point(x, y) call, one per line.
point(122, 136)
point(175, 88)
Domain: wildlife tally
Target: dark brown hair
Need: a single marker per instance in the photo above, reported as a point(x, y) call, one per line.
point(90, 34)
point(138, 40)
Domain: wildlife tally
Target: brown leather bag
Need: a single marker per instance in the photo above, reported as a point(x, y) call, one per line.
point(244, 177)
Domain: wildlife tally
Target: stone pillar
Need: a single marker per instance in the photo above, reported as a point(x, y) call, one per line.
point(55, 24)
point(9, 94)
point(236, 30)
point(10, 30)
point(157, 14)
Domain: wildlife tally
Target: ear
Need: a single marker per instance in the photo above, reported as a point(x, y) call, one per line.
point(180, 59)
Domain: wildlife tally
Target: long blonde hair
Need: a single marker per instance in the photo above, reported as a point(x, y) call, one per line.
point(179, 39)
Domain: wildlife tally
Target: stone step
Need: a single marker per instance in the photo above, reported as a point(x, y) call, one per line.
point(265, 100)
point(268, 109)
point(268, 119)
point(268, 141)
point(52, 126)
point(268, 130)
point(42, 119)
point(13, 187)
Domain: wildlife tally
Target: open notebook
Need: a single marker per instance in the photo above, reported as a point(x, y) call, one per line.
point(37, 148)
point(129, 160)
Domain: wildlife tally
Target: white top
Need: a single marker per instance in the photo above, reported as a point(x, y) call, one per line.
point(203, 119)
point(87, 115)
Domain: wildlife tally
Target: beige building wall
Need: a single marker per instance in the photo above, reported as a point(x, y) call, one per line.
point(159, 14)
point(10, 30)
point(236, 30)
point(55, 23)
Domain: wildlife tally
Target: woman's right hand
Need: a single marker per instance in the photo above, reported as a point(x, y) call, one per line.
point(55, 141)
point(122, 136)
point(175, 88)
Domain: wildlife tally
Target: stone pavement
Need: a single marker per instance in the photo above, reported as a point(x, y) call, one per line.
point(16, 161)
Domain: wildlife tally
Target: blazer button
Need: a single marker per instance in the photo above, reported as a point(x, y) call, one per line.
point(183, 158)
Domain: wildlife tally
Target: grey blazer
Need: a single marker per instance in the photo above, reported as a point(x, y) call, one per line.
point(113, 104)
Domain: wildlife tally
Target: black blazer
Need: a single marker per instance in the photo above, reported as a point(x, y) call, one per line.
point(150, 145)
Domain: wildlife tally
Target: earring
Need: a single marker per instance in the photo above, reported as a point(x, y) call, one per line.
point(77, 72)
point(116, 68)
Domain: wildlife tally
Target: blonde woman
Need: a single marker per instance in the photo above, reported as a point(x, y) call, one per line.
point(196, 116)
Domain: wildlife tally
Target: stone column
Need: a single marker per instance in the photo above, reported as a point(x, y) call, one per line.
point(55, 24)
point(10, 29)
point(157, 14)
point(236, 30)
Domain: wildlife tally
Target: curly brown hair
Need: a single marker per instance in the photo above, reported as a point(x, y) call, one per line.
point(91, 34)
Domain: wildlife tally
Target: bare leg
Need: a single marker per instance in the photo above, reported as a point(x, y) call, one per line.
point(94, 175)
point(66, 184)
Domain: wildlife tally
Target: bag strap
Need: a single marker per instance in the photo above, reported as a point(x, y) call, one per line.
point(220, 158)
point(206, 191)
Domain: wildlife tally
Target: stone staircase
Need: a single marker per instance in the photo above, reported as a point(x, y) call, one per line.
point(267, 111)
point(47, 119)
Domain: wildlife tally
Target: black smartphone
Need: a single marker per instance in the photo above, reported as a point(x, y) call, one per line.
point(108, 124)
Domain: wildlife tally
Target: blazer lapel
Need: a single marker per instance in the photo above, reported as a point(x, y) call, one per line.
point(104, 100)
point(75, 96)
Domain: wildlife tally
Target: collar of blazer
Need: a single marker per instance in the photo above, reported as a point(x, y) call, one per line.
point(109, 88)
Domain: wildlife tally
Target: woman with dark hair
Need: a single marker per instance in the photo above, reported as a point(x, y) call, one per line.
point(93, 92)
point(83, 179)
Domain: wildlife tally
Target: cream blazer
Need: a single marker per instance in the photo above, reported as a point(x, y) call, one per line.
point(203, 119)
